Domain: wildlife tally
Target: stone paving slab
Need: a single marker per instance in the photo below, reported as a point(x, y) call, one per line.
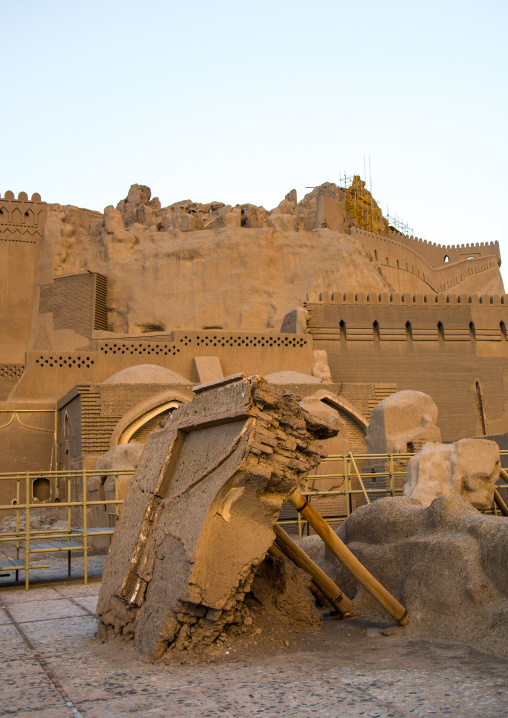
point(50, 712)
point(4, 619)
point(94, 678)
point(85, 602)
point(350, 669)
point(440, 693)
point(62, 635)
point(298, 697)
point(184, 703)
point(26, 687)
point(12, 646)
point(44, 610)
point(75, 589)
point(17, 596)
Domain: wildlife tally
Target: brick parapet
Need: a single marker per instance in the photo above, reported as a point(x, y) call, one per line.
point(397, 255)
point(22, 219)
point(397, 317)
point(436, 253)
point(394, 298)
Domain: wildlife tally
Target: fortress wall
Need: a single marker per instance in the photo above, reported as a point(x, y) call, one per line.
point(396, 257)
point(331, 214)
point(471, 348)
point(436, 253)
point(81, 218)
point(49, 375)
point(21, 224)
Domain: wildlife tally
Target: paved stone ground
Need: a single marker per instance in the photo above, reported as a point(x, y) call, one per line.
point(51, 665)
point(57, 571)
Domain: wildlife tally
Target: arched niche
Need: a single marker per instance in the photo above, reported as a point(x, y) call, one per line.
point(142, 427)
point(140, 421)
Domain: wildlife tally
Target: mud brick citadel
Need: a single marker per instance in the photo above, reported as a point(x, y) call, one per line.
point(107, 320)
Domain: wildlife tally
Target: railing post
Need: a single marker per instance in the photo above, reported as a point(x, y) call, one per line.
point(27, 530)
point(348, 486)
point(392, 477)
point(69, 499)
point(18, 498)
point(85, 535)
point(359, 477)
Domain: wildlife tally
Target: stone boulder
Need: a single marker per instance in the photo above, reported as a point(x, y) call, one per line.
point(446, 563)
point(402, 423)
point(467, 468)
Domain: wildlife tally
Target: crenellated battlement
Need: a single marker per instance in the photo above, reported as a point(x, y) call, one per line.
point(391, 253)
point(22, 219)
point(383, 317)
point(442, 254)
point(395, 298)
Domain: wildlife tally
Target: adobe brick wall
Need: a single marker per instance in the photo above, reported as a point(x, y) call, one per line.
point(472, 347)
point(77, 302)
point(436, 253)
point(49, 375)
point(21, 225)
point(408, 268)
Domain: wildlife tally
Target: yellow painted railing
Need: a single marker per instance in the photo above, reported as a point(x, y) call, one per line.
point(343, 483)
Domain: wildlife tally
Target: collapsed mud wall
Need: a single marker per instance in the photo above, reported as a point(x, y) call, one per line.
point(197, 519)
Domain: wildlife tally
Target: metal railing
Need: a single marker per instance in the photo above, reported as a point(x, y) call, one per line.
point(354, 480)
point(349, 486)
point(70, 493)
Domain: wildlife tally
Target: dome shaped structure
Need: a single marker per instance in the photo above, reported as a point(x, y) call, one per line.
point(146, 374)
point(291, 377)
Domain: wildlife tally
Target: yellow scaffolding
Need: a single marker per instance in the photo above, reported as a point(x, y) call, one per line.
point(71, 539)
point(356, 480)
point(361, 207)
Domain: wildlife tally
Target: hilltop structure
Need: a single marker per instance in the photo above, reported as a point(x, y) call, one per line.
point(108, 319)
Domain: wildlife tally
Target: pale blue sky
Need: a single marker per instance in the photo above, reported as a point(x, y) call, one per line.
point(241, 102)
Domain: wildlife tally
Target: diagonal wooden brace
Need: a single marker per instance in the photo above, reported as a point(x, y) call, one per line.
point(349, 560)
point(328, 588)
point(500, 503)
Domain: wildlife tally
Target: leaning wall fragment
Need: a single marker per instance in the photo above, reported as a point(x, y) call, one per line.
point(198, 516)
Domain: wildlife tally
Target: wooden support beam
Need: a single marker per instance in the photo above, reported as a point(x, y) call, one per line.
point(500, 503)
point(329, 589)
point(349, 560)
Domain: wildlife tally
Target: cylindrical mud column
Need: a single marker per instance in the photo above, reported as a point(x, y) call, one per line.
point(328, 588)
point(349, 560)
